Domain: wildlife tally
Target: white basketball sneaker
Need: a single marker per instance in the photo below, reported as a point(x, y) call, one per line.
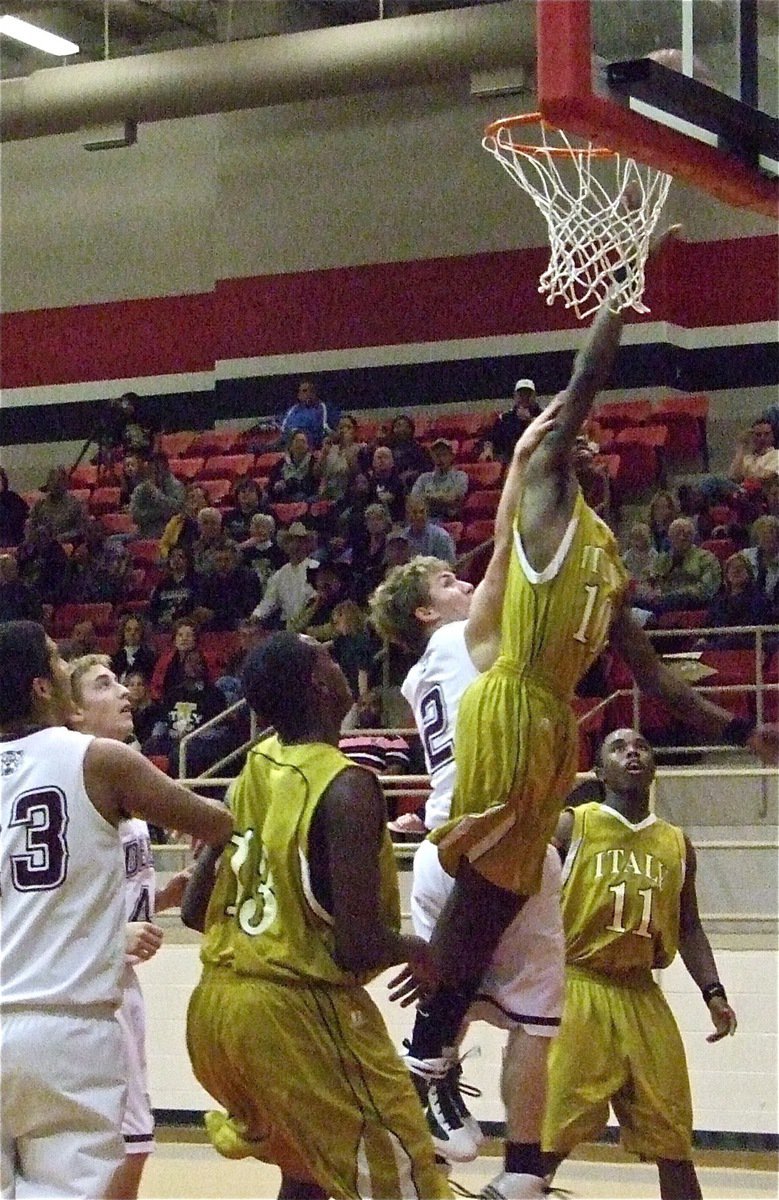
point(511, 1186)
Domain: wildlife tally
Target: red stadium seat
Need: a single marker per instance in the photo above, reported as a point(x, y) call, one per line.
point(484, 474)
point(66, 616)
point(469, 450)
point(82, 494)
point(84, 476)
point(285, 514)
point(619, 414)
point(117, 522)
point(481, 504)
point(264, 463)
point(104, 499)
point(175, 445)
point(144, 550)
point(217, 490)
point(454, 529)
point(215, 441)
point(475, 533)
point(685, 418)
point(721, 548)
point(227, 466)
point(186, 468)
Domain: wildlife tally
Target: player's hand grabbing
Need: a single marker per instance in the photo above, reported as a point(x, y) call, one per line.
point(723, 1018)
point(764, 742)
point(171, 895)
point(419, 977)
point(142, 940)
point(538, 428)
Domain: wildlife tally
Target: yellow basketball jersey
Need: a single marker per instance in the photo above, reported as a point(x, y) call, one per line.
point(621, 890)
point(263, 918)
point(556, 622)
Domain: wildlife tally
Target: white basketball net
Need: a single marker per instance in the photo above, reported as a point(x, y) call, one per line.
point(599, 241)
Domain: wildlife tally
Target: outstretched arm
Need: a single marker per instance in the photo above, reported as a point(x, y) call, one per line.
point(697, 713)
point(697, 956)
point(482, 633)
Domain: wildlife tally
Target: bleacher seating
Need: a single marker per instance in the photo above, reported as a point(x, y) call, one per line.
point(83, 476)
point(176, 445)
point(216, 441)
point(103, 500)
point(186, 468)
point(483, 475)
point(226, 466)
point(481, 503)
point(217, 490)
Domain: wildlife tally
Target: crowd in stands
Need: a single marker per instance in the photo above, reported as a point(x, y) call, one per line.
point(174, 552)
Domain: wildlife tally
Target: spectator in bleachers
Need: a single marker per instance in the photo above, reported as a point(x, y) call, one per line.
point(640, 556)
point(351, 646)
point(18, 601)
point(182, 529)
point(368, 551)
point(43, 564)
point(331, 586)
point(169, 670)
point(769, 497)
point(292, 477)
point(663, 509)
point(425, 536)
point(763, 556)
point(82, 640)
point(410, 456)
point(123, 431)
point(173, 596)
point(385, 485)
point(134, 650)
point(310, 415)
point(382, 753)
point(289, 589)
point(99, 567)
point(738, 602)
point(509, 426)
point(132, 471)
point(192, 702)
point(247, 502)
point(342, 456)
point(157, 497)
point(59, 509)
point(146, 711)
point(210, 540)
point(445, 487)
point(227, 594)
point(398, 550)
point(260, 550)
point(757, 456)
point(13, 513)
point(686, 576)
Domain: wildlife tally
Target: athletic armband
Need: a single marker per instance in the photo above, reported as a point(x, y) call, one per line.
point(738, 731)
point(711, 990)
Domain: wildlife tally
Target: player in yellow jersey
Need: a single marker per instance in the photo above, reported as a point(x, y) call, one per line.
point(516, 741)
point(629, 903)
point(303, 911)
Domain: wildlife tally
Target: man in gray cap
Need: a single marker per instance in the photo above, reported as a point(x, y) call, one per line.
point(444, 488)
point(509, 426)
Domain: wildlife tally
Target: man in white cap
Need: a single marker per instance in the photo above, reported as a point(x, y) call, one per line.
point(290, 588)
point(509, 426)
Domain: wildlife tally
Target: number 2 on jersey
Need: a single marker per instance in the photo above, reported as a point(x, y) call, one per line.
point(439, 747)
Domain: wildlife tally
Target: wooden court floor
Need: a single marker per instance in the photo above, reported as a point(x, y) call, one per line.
point(181, 1170)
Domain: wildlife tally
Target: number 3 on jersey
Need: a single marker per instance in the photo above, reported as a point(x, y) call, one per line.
point(439, 747)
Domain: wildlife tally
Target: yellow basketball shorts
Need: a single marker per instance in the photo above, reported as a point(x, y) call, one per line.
point(311, 1082)
point(618, 1044)
point(516, 753)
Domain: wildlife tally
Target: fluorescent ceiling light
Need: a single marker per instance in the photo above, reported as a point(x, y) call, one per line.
point(32, 35)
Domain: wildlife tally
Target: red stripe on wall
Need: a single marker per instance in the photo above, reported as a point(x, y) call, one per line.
point(695, 285)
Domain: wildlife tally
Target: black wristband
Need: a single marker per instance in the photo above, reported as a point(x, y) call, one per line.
point(711, 990)
point(738, 731)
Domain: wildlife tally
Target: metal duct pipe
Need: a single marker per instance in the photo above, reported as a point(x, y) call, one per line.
point(365, 57)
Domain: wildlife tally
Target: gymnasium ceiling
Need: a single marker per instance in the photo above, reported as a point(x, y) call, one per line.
point(132, 27)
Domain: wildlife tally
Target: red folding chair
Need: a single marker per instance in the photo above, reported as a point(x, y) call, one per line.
point(285, 514)
point(227, 466)
point(186, 468)
point(84, 476)
point(117, 522)
point(215, 441)
point(264, 463)
point(104, 499)
point(175, 445)
point(217, 490)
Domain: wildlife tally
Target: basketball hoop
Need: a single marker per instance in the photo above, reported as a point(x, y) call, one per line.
point(599, 228)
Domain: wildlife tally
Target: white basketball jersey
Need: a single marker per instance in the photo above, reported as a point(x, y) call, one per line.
point(138, 869)
point(61, 879)
point(434, 688)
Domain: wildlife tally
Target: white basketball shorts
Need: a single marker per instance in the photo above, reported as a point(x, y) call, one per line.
point(524, 982)
point(64, 1083)
point(138, 1121)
